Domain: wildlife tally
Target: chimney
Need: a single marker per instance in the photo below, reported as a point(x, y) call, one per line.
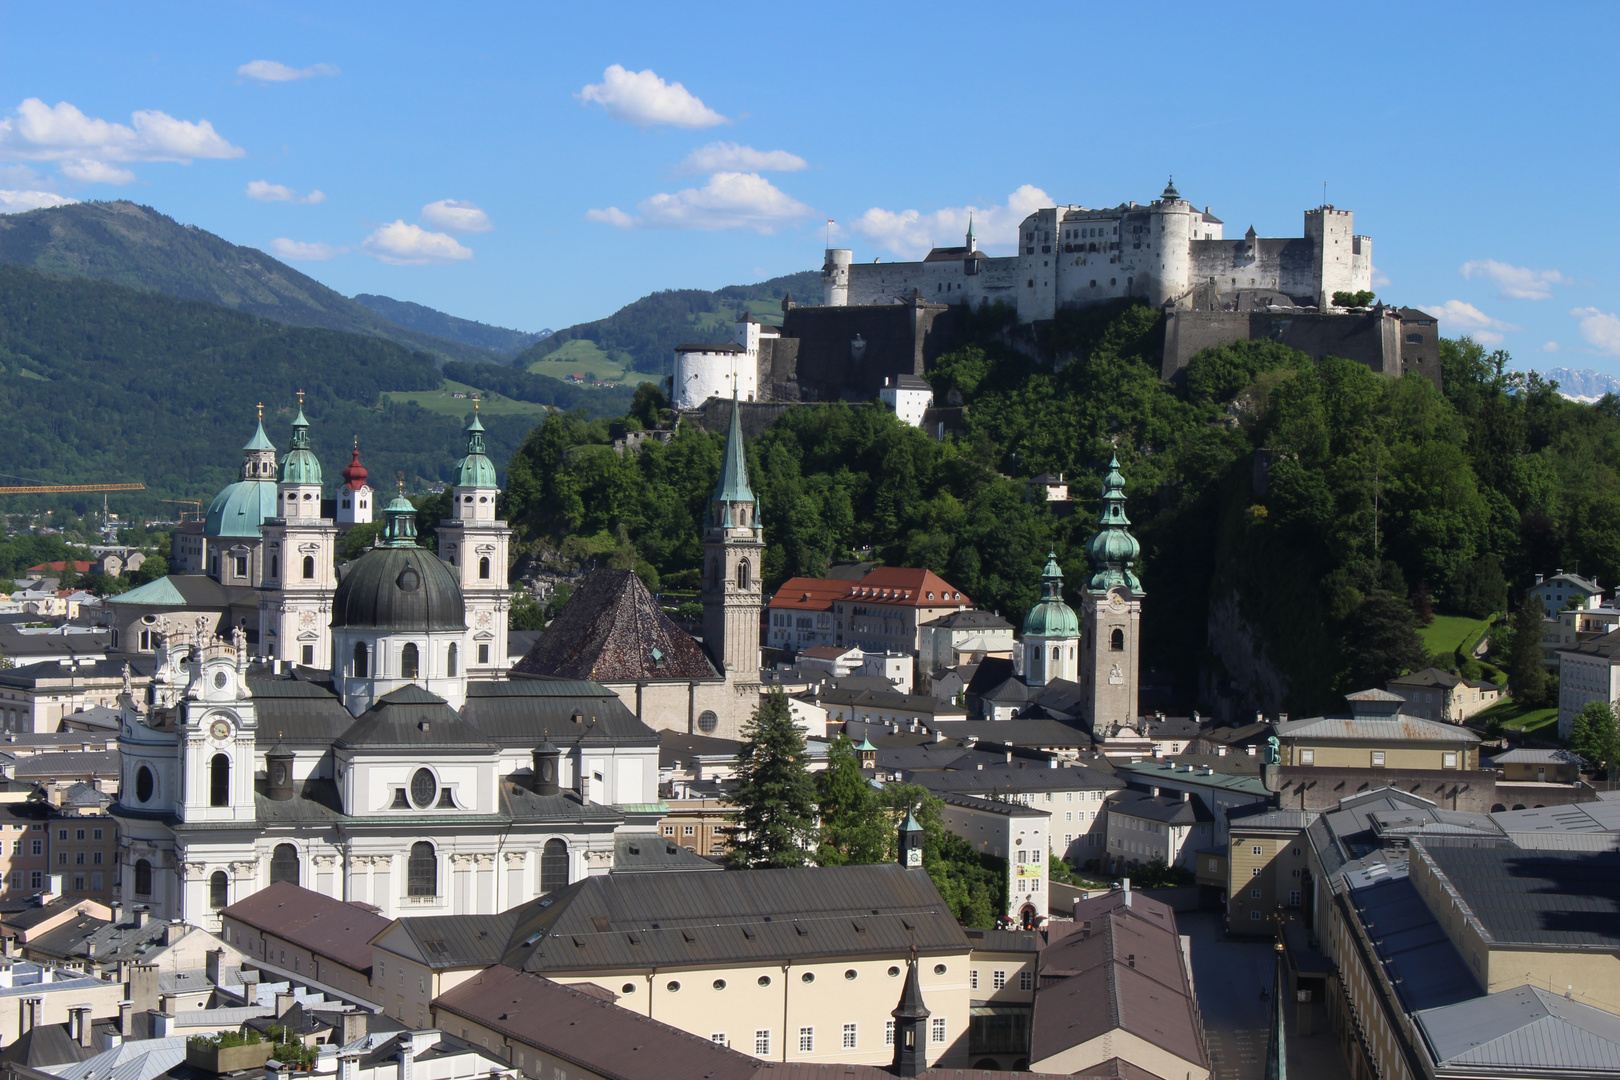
point(143, 986)
point(142, 914)
point(87, 1031)
point(1259, 717)
point(1125, 890)
point(354, 1026)
point(126, 1019)
point(284, 1001)
point(173, 931)
point(212, 962)
point(53, 888)
point(117, 909)
point(1052, 764)
point(407, 1059)
point(30, 1013)
point(939, 736)
point(1186, 796)
point(544, 777)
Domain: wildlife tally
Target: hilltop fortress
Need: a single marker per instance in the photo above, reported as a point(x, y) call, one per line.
point(881, 325)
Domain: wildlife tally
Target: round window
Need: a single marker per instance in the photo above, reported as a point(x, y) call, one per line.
point(939, 969)
point(707, 722)
point(409, 580)
point(674, 986)
point(719, 984)
point(144, 783)
point(764, 980)
point(220, 679)
point(628, 988)
point(423, 788)
point(808, 977)
point(850, 974)
point(894, 973)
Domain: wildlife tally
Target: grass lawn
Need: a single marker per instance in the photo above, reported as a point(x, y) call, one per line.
point(581, 357)
point(1449, 631)
point(1543, 723)
point(441, 401)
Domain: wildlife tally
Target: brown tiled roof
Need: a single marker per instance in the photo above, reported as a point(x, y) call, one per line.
point(594, 1034)
point(809, 594)
point(612, 630)
point(309, 920)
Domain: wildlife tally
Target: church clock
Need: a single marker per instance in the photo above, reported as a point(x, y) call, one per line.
point(220, 729)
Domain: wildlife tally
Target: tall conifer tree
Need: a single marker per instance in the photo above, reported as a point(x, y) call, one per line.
point(773, 793)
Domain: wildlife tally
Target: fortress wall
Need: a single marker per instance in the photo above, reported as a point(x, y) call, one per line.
point(1188, 333)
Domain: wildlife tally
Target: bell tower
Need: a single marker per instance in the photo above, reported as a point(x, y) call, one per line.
point(733, 546)
point(1111, 615)
point(475, 543)
point(300, 546)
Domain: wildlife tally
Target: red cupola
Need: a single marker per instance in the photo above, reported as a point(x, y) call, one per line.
point(354, 473)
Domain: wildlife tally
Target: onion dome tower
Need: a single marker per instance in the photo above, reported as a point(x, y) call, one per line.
point(475, 545)
point(300, 547)
point(1111, 614)
point(733, 551)
point(398, 618)
point(354, 496)
point(231, 552)
point(1051, 632)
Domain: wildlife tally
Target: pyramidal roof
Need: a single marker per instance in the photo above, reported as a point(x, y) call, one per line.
point(732, 486)
point(612, 630)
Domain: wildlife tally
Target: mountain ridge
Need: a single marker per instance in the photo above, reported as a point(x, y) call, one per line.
point(426, 320)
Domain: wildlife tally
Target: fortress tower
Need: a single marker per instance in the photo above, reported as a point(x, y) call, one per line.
point(295, 604)
point(1171, 219)
point(1111, 615)
point(733, 549)
point(835, 277)
point(475, 545)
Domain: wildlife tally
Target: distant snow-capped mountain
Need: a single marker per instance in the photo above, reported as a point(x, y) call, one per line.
point(1583, 384)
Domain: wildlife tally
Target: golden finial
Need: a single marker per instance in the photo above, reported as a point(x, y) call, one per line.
point(475, 403)
point(357, 442)
point(300, 400)
point(401, 475)
point(261, 410)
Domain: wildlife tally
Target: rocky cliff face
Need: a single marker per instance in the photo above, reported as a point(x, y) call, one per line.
point(1251, 681)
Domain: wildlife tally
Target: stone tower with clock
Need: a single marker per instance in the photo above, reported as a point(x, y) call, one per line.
point(1111, 615)
point(733, 551)
point(475, 543)
point(295, 604)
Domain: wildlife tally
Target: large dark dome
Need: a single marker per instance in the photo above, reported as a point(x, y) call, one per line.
point(399, 588)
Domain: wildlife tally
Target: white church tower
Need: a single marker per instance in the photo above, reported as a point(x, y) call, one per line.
point(1051, 633)
point(354, 495)
point(295, 606)
point(475, 544)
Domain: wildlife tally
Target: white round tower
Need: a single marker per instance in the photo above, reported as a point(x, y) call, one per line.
point(706, 371)
point(835, 277)
point(1170, 218)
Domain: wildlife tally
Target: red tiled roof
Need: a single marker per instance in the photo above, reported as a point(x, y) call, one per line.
point(809, 594)
point(901, 586)
point(79, 566)
point(310, 920)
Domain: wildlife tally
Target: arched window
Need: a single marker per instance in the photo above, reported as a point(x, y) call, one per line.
point(1117, 642)
point(284, 864)
point(1057, 652)
point(275, 566)
point(219, 887)
point(143, 878)
point(359, 659)
point(450, 659)
point(422, 871)
point(553, 866)
point(410, 662)
point(309, 568)
point(742, 574)
point(144, 784)
point(219, 781)
point(483, 567)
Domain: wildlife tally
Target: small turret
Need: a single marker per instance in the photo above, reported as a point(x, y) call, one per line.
point(400, 516)
point(259, 453)
point(910, 1027)
point(972, 241)
point(1113, 549)
point(912, 839)
point(354, 495)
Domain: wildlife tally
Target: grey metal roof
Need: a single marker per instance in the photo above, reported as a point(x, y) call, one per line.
point(991, 806)
point(1250, 817)
point(680, 920)
point(674, 746)
point(1523, 1029)
point(1529, 755)
point(970, 619)
point(410, 718)
point(527, 712)
point(68, 763)
point(648, 853)
point(1004, 777)
point(1593, 817)
point(30, 676)
point(1030, 732)
point(1163, 808)
point(1418, 957)
point(461, 941)
point(1560, 898)
point(1397, 728)
point(295, 710)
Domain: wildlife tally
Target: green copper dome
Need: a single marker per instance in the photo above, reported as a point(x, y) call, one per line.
point(240, 509)
point(1051, 617)
point(260, 440)
point(476, 470)
point(1113, 549)
point(300, 466)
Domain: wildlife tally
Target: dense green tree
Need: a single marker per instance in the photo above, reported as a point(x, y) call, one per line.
point(1479, 589)
point(1383, 641)
point(1595, 735)
point(852, 830)
point(1526, 672)
point(773, 792)
point(526, 612)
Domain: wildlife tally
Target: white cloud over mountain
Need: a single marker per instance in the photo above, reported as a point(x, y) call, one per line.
point(273, 71)
point(263, 191)
point(456, 216)
point(1458, 318)
point(730, 200)
point(733, 157)
point(16, 202)
point(911, 233)
point(1515, 282)
point(401, 244)
point(643, 99)
point(299, 251)
point(1601, 329)
point(89, 150)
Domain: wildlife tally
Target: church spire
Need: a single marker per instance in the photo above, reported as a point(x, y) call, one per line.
point(972, 242)
point(910, 1026)
point(475, 470)
point(732, 487)
point(1113, 549)
point(300, 466)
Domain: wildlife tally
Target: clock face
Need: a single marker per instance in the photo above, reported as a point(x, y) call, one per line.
point(220, 729)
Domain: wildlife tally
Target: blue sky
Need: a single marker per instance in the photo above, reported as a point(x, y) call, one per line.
point(539, 165)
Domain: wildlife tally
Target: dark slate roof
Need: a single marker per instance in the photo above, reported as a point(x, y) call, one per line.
point(993, 671)
point(1013, 777)
point(678, 920)
point(528, 712)
point(1429, 676)
point(47, 1045)
point(192, 591)
point(30, 917)
point(970, 619)
point(923, 705)
point(410, 718)
point(646, 853)
point(990, 806)
point(589, 1032)
point(1544, 897)
point(1164, 808)
point(1420, 960)
point(680, 746)
point(327, 927)
point(1522, 1030)
point(728, 347)
point(612, 630)
point(293, 709)
point(461, 941)
point(71, 763)
point(399, 589)
point(1042, 732)
point(48, 671)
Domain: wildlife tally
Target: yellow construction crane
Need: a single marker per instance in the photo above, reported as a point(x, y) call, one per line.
point(186, 502)
point(62, 489)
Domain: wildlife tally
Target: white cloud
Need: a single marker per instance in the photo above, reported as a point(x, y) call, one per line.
point(1550, 347)
point(732, 157)
point(457, 216)
point(1465, 318)
point(267, 192)
point(84, 148)
point(299, 251)
point(1380, 279)
point(728, 201)
point(911, 233)
point(269, 71)
point(17, 202)
point(400, 244)
point(96, 172)
point(1601, 329)
point(643, 99)
point(611, 216)
point(1515, 282)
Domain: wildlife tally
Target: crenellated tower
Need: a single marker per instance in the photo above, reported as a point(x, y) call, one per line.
point(300, 548)
point(475, 543)
point(1111, 614)
point(733, 547)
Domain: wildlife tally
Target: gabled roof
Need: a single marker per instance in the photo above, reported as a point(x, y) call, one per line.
point(1522, 1029)
point(1392, 729)
point(1429, 676)
point(325, 926)
point(808, 594)
point(410, 718)
point(612, 630)
point(1167, 809)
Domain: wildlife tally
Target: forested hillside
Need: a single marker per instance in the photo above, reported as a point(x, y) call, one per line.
point(103, 383)
point(138, 247)
point(1376, 497)
point(425, 320)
